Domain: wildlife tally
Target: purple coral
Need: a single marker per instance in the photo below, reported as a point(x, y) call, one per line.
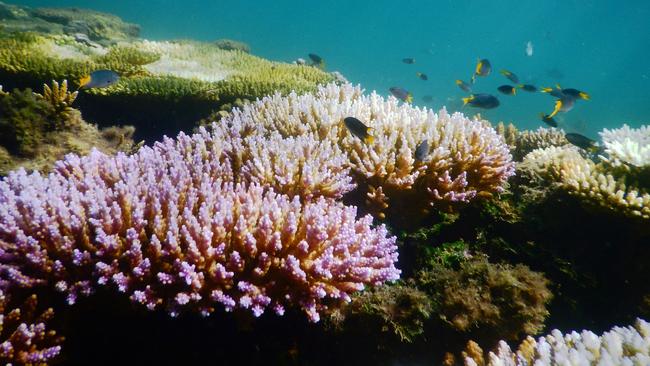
point(169, 228)
point(24, 338)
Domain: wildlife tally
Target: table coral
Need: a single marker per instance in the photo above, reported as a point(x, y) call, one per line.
point(465, 159)
point(618, 346)
point(168, 227)
point(24, 335)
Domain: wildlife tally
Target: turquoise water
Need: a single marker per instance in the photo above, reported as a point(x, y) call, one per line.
point(597, 46)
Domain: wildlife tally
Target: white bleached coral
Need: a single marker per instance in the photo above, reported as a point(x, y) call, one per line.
point(618, 346)
point(629, 146)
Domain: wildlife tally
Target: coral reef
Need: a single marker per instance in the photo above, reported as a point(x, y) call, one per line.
point(24, 335)
point(169, 228)
point(566, 168)
point(627, 146)
point(232, 45)
point(36, 130)
point(618, 346)
point(466, 159)
point(495, 298)
point(523, 142)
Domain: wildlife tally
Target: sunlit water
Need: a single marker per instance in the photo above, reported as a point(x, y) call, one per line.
point(602, 47)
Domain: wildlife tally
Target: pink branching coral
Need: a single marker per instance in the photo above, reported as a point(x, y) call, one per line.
point(24, 337)
point(169, 227)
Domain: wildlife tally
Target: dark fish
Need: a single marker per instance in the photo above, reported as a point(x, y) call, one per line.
point(427, 99)
point(464, 86)
point(482, 100)
point(401, 94)
point(358, 129)
point(315, 58)
point(422, 150)
point(581, 141)
point(483, 68)
point(507, 89)
point(422, 76)
point(527, 87)
point(408, 60)
point(563, 104)
point(99, 79)
point(512, 77)
point(558, 92)
point(548, 120)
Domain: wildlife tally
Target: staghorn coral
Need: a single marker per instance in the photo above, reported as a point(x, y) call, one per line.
point(167, 227)
point(502, 299)
point(61, 100)
point(24, 337)
point(465, 159)
point(565, 168)
point(618, 346)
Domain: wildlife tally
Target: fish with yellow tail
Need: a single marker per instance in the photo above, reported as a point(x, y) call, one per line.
point(401, 94)
point(563, 105)
point(560, 92)
point(99, 79)
point(482, 100)
point(483, 68)
point(464, 86)
point(548, 119)
point(510, 76)
point(359, 129)
point(583, 142)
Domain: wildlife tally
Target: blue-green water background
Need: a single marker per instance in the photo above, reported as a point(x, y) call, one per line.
point(602, 47)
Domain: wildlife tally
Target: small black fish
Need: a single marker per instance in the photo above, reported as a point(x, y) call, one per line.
point(427, 99)
point(507, 89)
point(464, 86)
point(422, 76)
point(358, 129)
point(408, 60)
point(527, 87)
point(315, 58)
point(512, 77)
point(558, 92)
point(563, 104)
point(483, 68)
point(401, 94)
point(422, 150)
point(581, 141)
point(482, 100)
point(548, 120)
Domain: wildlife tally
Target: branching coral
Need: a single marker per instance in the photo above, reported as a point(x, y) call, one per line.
point(618, 346)
point(169, 228)
point(60, 99)
point(627, 146)
point(465, 158)
point(506, 300)
point(24, 337)
point(567, 169)
point(523, 142)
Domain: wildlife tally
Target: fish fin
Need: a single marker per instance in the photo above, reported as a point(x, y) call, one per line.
point(409, 98)
point(504, 72)
point(514, 91)
point(584, 96)
point(473, 78)
point(558, 106)
point(84, 81)
point(546, 90)
point(468, 99)
point(558, 86)
point(369, 139)
point(459, 82)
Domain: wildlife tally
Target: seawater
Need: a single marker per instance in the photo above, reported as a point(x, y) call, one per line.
point(601, 47)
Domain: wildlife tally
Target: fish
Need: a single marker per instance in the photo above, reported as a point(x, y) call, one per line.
point(358, 129)
point(99, 79)
point(512, 77)
point(427, 98)
point(581, 141)
point(401, 94)
point(548, 120)
point(559, 92)
point(408, 60)
point(482, 100)
point(464, 86)
point(507, 89)
point(315, 58)
point(483, 68)
point(422, 150)
point(563, 105)
point(422, 76)
point(529, 48)
point(527, 87)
